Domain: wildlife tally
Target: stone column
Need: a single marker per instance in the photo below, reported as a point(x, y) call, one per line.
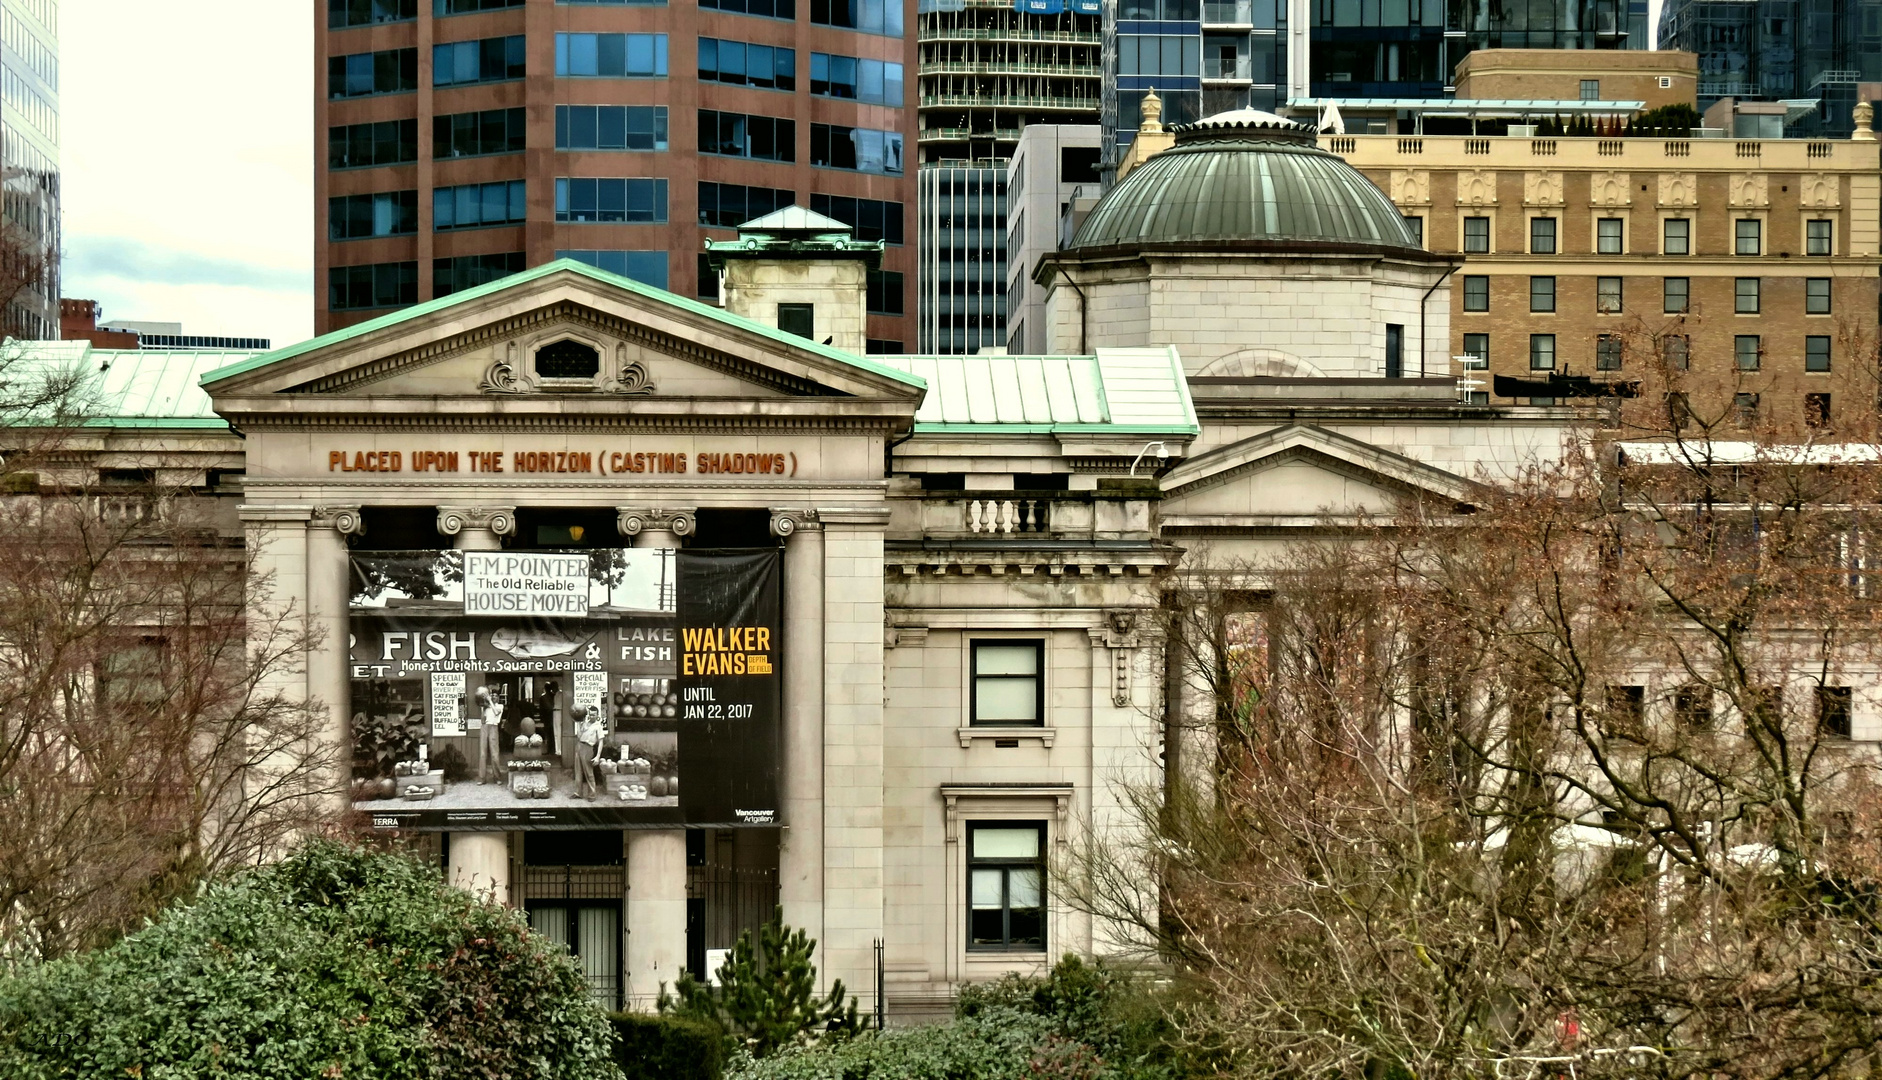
point(656, 858)
point(480, 861)
point(800, 855)
point(275, 537)
point(328, 587)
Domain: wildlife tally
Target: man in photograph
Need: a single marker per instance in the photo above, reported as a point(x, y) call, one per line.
point(489, 717)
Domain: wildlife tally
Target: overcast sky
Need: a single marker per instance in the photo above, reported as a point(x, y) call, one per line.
point(187, 152)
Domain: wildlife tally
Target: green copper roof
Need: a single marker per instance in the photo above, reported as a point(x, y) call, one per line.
point(628, 284)
point(129, 388)
point(1118, 391)
point(1244, 176)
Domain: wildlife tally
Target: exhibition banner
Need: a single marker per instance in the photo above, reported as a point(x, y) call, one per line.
point(610, 688)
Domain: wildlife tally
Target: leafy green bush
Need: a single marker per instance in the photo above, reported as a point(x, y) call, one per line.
point(667, 1047)
point(338, 962)
point(997, 1044)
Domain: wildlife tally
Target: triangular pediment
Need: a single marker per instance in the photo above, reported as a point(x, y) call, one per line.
point(1300, 473)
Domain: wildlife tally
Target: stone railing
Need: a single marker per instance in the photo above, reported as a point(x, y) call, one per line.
point(997, 516)
point(1429, 151)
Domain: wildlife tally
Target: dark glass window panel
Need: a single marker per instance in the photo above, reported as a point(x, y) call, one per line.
point(567, 360)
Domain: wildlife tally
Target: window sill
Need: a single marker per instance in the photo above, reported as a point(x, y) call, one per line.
point(967, 735)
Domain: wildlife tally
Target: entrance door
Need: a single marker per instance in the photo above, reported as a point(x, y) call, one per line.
point(592, 932)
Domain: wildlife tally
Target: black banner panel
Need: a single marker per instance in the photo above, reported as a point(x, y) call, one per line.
point(611, 688)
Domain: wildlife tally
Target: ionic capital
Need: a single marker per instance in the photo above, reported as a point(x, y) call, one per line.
point(500, 520)
point(344, 520)
point(787, 520)
point(634, 520)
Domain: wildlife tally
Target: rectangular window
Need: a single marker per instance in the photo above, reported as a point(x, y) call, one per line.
point(1678, 410)
point(1542, 236)
point(591, 932)
point(610, 127)
point(1817, 410)
point(1178, 55)
point(799, 319)
point(1692, 707)
point(869, 16)
point(739, 64)
point(739, 135)
point(1542, 352)
point(876, 82)
point(728, 206)
point(1833, 712)
point(1746, 405)
point(611, 56)
point(467, 7)
point(1009, 683)
point(393, 71)
point(1677, 348)
point(468, 271)
point(1394, 351)
point(1747, 236)
point(1476, 292)
point(1676, 236)
point(1416, 226)
point(708, 278)
point(873, 219)
point(1818, 237)
point(388, 213)
point(467, 206)
point(885, 292)
point(1607, 236)
point(1591, 89)
point(1745, 295)
point(494, 131)
point(344, 13)
point(861, 149)
point(389, 142)
point(1477, 348)
point(1746, 350)
point(610, 199)
point(1542, 294)
point(1676, 295)
point(1006, 886)
point(1607, 352)
point(647, 267)
point(380, 285)
point(1817, 352)
point(883, 347)
point(1817, 296)
point(765, 9)
point(461, 63)
point(1476, 236)
point(1607, 295)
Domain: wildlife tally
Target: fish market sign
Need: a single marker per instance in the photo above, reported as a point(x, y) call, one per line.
point(505, 583)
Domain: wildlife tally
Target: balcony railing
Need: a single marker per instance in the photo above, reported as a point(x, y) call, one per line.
point(1218, 68)
point(1010, 67)
point(1011, 101)
point(982, 33)
point(1231, 13)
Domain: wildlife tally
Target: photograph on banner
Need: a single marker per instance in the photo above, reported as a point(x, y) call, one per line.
point(570, 689)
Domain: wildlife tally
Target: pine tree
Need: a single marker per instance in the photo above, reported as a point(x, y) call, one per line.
point(766, 997)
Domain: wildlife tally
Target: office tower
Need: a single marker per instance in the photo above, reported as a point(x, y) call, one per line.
point(989, 69)
point(30, 157)
point(1812, 55)
point(1051, 183)
point(463, 140)
point(1202, 57)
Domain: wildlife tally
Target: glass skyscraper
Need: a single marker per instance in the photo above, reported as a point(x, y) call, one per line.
point(29, 154)
point(1812, 52)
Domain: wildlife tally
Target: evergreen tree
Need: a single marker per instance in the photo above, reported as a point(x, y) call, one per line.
point(766, 997)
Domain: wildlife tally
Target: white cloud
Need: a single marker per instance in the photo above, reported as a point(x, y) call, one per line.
point(187, 155)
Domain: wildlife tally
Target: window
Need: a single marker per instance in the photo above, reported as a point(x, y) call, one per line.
point(610, 127)
point(731, 205)
point(1748, 237)
point(766, 9)
point(466, 271)
point(1833, 713)
point(1677, 349)
point(466, 7)
point(1607, 352)
point(1591, 89)
point(1542, 236)
point(610, 199)
point(872, 219)
point(1542, 352)
point(1006, 885)
point(1627, 711)
point(130, 673)
point(1477, 347)
point(1678, 410)
point(1817, 410)
point(1542, 294)
point(1009, 683)
point(1817, 236)
point(648, 267)
point(876, 82)
point(1142, 54)
point(1476, 292)
point(1746, 349)
point(1676, 295)
point(739, 135)
point(611, 56)
point(885, 292)
point(393, 71)
point(344, 13)
point(1394, 351)
point(1746, 406)
point(1607, 236)
point(1416, 227)
point(708, 278)
point(467, 206)
point(568, 359)
point(1817, 296)
point(381, 285)
point(1745, 295)
point(869, 16)
point(591, 932)
point(389, 142)
point(1692, 708)
point(389, 213)
point(1607, 295)
point(799, 319)
point(883, 347)
point(1817, 353)
point(861, 149)
point(1476, 236)
point(1676, 236)
point(460, 63)
point(496, 131)
point(734, 62)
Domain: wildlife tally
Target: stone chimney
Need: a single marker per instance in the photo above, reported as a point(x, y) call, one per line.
point(800, 272)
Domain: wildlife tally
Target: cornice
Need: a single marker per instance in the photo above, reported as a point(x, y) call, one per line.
point(1075, 565)
point(590, 415)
